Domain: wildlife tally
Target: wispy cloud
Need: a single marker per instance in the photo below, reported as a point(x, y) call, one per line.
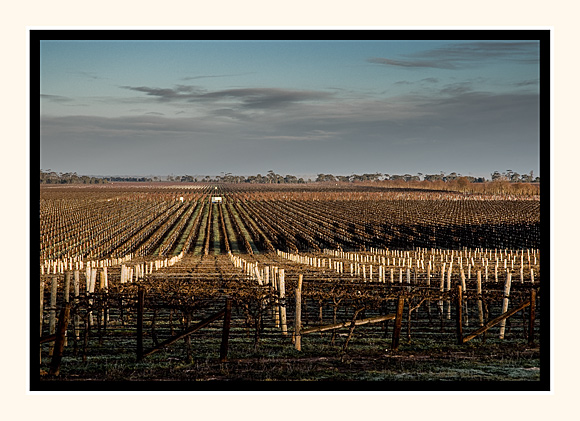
point(215, 76)
point(56, 98)
point(231, 113)
point(87, 75)
point(528, 82)
point(411, 63)
point(456, 88)
point(124, 126)
point(267, 97)
point(461, 55)
point(312, 135)
point(245, 97)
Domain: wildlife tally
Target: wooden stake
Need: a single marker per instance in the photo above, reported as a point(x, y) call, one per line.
point(495, 321)
point(283, 303)
point(448, 288)
point(76, 319)
point(506, 294)
point(41, 314)
point(298, 316)
point(398, 320)
point(60, 340)
point(226, 331)
point(532, 316)
point(140, 309)
point(459, 314)
point(479, 299)
point(66, 296)
point(52, 314)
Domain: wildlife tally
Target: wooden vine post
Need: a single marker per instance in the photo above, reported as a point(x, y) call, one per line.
point(226, 331)
point(52, 315)
point(506, 294)
point(41, 315)
point(464, 289)
point(479, 299)
point(459, 314)
point(533, 294)
point(140, 308)
point(398, 321)
point(59, 342)
point(283, 304)
point(76, 321)
point(298, 316)
point(441, 290)
point(66, 297)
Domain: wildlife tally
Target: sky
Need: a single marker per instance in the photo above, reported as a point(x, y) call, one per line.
point(294, 107)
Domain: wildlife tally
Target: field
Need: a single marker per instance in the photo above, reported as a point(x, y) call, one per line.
point(327, 282)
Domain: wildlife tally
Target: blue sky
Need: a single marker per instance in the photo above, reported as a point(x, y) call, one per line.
point(297, 107)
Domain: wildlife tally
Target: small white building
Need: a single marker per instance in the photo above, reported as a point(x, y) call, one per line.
point(216, 199)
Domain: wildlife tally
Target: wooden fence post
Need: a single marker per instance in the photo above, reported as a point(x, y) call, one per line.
point(532, 316)
point(429, 286)
point(52, 314)
point(60, 340)
point(140, 308)
point(506, 294)
point(226, 331)
point(448, 289)
point(398, 320)
point(76, 284)
point(479, 299)
point(459, 314)
point(466, 305)
point(283, 303)
point(298, 316)
point(66, 296)
point(441, 290)
point(41, 315)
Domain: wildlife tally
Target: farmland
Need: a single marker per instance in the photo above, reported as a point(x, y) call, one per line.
point(324, 281)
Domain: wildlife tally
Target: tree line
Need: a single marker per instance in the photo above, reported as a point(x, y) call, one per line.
point(271, 177)
point(51, 177)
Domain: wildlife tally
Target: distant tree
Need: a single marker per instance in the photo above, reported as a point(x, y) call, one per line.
point(325, 177)
point(462, 183)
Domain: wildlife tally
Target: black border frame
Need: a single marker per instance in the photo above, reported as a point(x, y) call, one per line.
point(544, 36)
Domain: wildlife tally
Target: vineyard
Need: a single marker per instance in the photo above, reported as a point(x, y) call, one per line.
point(337, 282)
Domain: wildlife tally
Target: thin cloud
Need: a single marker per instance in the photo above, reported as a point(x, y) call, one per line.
point(231, 113)
point(215, 76)
point(87, 75)
point(267, 97)
point(483, 51)
point(411, 63)
point(462, 55)
point(56, 98)
point(124, 126)
point(309, 136)
point(528, 82)
point(247, 97)
point(180, 92)
point(456, 88)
